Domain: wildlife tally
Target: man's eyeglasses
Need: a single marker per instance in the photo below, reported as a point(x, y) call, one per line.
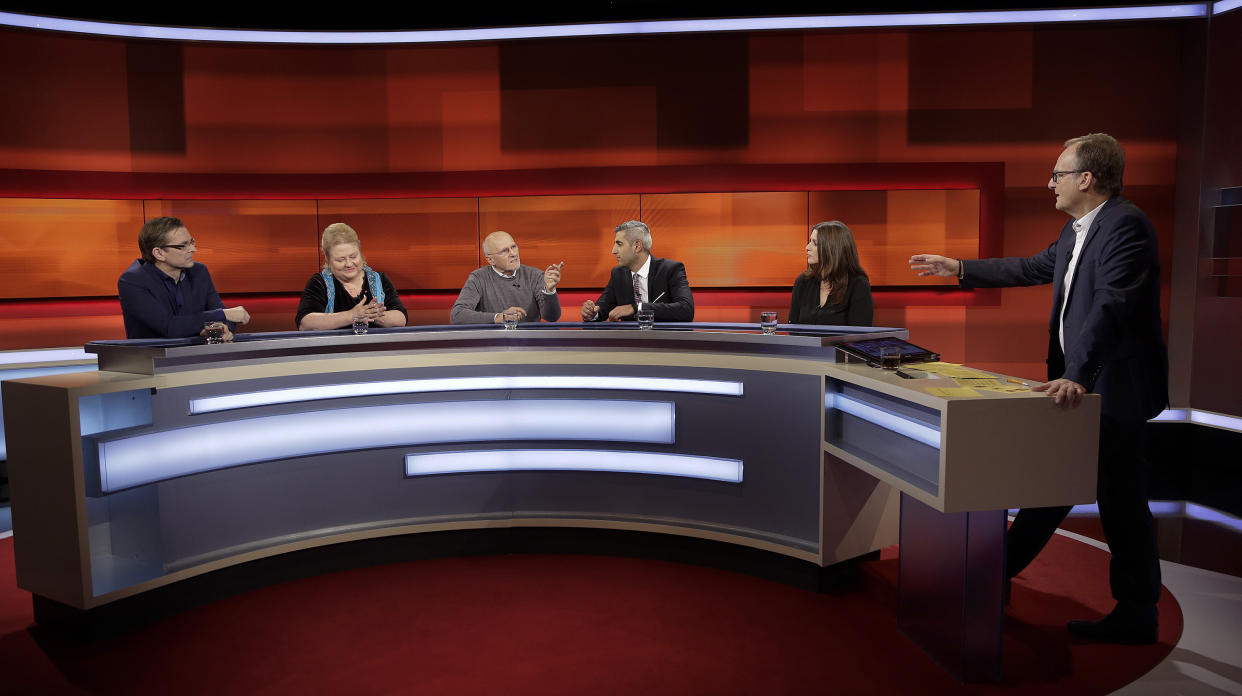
point(505, 252)
point(1056, 175)
point(181, 246)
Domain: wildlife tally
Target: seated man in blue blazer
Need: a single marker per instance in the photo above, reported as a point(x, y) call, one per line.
point(639, 278)
point(1104, 336)
point(165, 294)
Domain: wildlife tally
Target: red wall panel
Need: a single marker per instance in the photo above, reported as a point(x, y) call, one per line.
point(577, 230)
point(250, 246)
point(421, 243)
point(66, 248)
point(857, 99)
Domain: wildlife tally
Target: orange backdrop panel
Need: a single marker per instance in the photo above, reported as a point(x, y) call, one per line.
point(250, 246)
point(66, 248)
point(549, 229)
point(731, 239)
point(890, 226)
point(420, 243)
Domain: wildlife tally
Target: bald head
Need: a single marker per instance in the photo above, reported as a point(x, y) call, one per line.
point(501, 252)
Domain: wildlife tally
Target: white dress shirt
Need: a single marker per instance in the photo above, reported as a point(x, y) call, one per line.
point(1081, 226)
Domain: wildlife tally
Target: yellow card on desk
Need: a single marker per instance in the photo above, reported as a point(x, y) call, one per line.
point(980, 382)
point(951, 391)
point(1006, 389)
point(935, 367)
point(950, 370)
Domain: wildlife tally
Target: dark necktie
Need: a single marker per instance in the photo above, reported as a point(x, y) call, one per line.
point(637, 289)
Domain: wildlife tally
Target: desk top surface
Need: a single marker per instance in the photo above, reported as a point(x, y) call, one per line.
point(160, 356)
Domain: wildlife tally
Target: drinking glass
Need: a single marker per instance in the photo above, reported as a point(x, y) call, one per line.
point(360, 325)
point(767, 320)
point(890, 357)
point(646, 317)
point(510, 319)
point(213, 332)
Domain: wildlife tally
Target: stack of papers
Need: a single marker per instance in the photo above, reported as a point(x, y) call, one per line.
point(969, 380)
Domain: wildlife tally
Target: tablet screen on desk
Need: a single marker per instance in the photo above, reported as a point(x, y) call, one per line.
point(869, 350)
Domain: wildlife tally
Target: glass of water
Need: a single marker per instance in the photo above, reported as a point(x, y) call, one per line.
point(646, 317)
point(360, 325)
point(213, 332)
point(510, 319)
point(890, 357)
point(767, 320)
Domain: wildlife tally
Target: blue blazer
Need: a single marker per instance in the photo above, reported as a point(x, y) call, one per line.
point(148, 310)
point(666, 280)
point(1114, 344)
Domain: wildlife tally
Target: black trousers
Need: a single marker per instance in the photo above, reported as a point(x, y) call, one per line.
point(1122, 493)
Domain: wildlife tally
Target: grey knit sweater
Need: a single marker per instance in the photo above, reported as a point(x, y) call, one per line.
point(487, 293)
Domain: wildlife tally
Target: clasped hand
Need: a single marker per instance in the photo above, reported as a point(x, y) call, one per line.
point(500, 316)
point(590, 310)
point(371, 311)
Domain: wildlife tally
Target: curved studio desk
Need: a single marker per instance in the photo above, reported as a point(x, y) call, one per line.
point(176, 458)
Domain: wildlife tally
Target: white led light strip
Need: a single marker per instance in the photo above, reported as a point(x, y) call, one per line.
point(1194, 415)
point(1224, 6)
point(920, 432)
point(716, 469)
point(317, 392)
point(1095, 14)
point(1172, 508)
point(140, 459)
point(16, 357)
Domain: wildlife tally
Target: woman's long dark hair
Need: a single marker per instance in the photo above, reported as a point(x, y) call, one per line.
point(838, 258)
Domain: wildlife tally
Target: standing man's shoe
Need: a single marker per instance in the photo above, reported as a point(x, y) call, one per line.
point(1129, 624)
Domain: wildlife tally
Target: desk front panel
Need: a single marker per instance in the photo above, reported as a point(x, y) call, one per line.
point(189, 513)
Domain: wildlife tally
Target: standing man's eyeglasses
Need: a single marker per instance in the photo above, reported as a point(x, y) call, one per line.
point(1056, 175)
point(181, 246)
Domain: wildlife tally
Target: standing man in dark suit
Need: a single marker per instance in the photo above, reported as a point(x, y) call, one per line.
point(1104, 337)
point(165, 294)
point(640, 278)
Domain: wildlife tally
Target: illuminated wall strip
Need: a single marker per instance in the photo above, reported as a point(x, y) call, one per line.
point(713, 468)
point(140, 459)
point(1193, 415)
point(1202, 512)
point(1172, 415)
point(915, 430)
point(412, 386)
point(18, 357)
point(1216, 420)
point(1097, 14)
point(1225, 5)
point(1172, 508)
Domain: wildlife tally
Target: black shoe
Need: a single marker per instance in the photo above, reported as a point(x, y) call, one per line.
point(1128, 624)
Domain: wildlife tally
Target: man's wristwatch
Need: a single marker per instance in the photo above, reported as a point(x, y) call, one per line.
point(961, 270)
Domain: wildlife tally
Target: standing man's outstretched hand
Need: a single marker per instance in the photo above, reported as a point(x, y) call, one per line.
point(932, 264)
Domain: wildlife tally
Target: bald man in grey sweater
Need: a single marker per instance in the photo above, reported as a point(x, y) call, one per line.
point(505, 285)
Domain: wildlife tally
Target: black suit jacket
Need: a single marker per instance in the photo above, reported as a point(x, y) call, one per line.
point(148, 311)
point(666, 283)
point(1114, 344)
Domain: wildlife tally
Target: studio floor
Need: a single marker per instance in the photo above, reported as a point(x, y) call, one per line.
point(562, 624)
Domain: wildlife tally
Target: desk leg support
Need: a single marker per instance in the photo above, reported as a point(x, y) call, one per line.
point(950, 584)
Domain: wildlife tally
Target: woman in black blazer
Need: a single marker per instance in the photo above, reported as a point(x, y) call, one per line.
point(834, 288)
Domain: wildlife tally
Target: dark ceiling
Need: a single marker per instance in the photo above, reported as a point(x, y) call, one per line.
point(366, 16)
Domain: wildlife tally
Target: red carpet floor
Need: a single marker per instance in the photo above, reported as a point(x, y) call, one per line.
point(572, 625)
